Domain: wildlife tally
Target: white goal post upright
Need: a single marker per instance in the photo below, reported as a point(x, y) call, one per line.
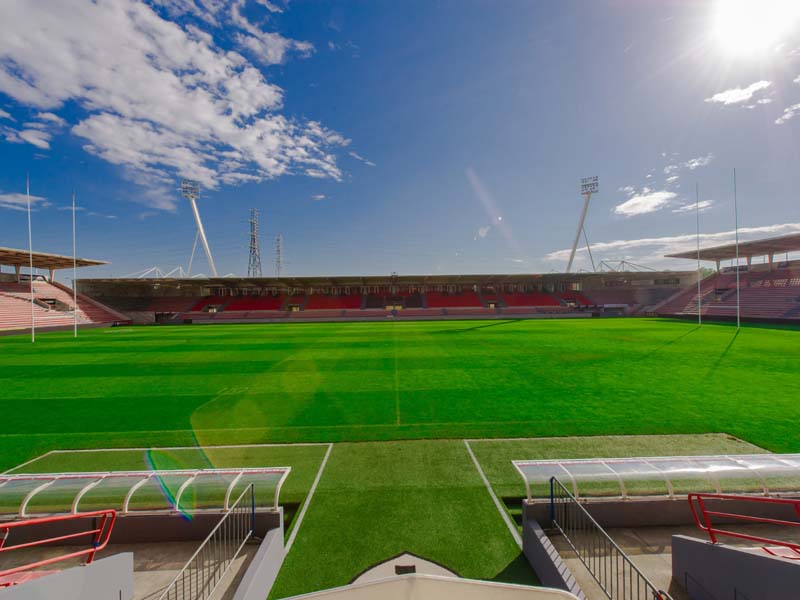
point(589, 186)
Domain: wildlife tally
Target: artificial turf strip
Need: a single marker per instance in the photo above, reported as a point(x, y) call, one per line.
point(379, 499)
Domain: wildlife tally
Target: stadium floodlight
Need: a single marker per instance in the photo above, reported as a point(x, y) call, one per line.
point(589, 186)
point(190, 190)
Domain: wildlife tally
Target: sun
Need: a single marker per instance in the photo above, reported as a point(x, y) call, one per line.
point(751, 27)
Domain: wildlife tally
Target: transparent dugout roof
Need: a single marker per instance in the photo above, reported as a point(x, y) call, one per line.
point(664, 475)
point(189, 491)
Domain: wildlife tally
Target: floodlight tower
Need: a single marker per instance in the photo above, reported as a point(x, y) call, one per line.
point(589, 186)
point(191, 191)
point(254, 266)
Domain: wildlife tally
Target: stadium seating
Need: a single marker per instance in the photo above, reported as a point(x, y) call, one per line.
point(442, 300)
point(530, 299)
point(575, 297)
point(210, 301)
point(268, 302)
point(322, 302)
point(171, 304)
point(762, 294)
point(15, 306)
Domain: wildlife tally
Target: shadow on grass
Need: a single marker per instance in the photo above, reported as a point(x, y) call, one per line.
point(465, 329)
point(518, 571)
point(658, 349)
point(722, 356)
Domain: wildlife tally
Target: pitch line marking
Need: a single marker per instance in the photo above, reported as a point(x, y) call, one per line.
point(28, 462)
point(310, 495)
point(220, 447)
point(509, 523)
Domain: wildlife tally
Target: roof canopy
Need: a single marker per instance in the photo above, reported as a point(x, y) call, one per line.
point(665, 475)
point(776, 245)
point(43, 260)
point(399, 280)
point(135, 491)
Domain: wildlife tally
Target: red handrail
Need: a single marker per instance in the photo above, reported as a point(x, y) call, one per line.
point(697, 502)
point(100, 536)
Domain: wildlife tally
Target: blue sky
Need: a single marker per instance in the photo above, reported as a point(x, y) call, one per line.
point(409, 137)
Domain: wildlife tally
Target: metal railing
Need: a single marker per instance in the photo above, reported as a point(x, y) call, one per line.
point(102, 522)
point(703, 517)
point(610, 567)
point(208, 565)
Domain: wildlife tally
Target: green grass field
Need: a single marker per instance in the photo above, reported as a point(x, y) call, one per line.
point(374, 388)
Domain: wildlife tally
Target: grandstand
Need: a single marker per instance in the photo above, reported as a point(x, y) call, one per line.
point(767, 291)
point(232, 299)
point(27, 299)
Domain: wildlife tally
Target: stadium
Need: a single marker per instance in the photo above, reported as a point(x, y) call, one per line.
point(484, 427)
point(617, 420)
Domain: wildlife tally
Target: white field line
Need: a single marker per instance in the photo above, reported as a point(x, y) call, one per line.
point(225, 446)
point(512, 527)
point(28, 462)
point(310, 495)
point(616, 436)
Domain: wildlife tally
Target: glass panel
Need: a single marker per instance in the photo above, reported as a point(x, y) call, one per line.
point(594, 478)
point(12, 493)
point(157, 494)
point(109, 493)
point(58, 497)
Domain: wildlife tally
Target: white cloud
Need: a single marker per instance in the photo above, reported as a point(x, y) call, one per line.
point(703, 206)
point(788, 113)
point(270, 6)
point(362, 159)
point(672, 178)
point(52, 118)
point(166, 103)
point(739, 95)
point(5, 115)
point(69, 208)
point(645, 202)
point(797, 80)
point(318, 197)
point(40, 139)
point(656, 248)
point(691, 164)
point(20, 201)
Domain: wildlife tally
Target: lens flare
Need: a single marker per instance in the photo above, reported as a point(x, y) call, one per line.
point(752, 27)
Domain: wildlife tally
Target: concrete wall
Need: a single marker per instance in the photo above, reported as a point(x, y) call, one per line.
point(551, 570)
point(717, 572)
point(662, 512)
point(105, 579)
point(144, 528)
point(263, 569)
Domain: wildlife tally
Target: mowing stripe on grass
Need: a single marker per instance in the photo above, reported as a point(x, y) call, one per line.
point(509, 523)
point(310, 495)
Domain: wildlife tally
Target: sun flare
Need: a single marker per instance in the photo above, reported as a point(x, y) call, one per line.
point(748, 27)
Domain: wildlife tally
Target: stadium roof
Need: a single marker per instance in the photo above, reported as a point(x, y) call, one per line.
point(387, 280)
point(776, 245)
point(43, 260)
